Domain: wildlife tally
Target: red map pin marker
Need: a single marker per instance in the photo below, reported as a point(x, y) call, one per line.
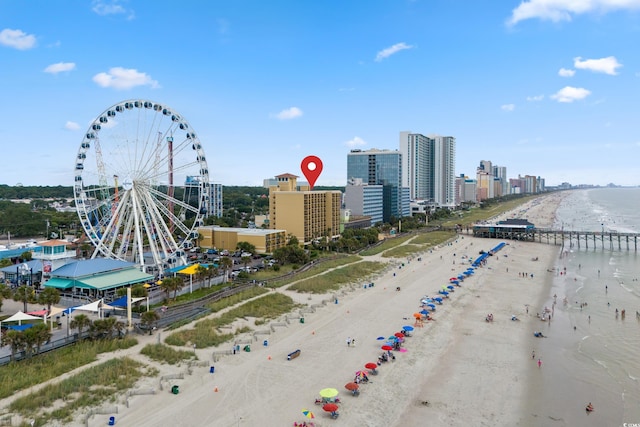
point(311, 169)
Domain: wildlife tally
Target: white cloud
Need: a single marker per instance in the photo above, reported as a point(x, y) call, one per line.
point(122, 78)
point(60, 67)
point(508, 107)
point(288, 114)
point(355, 142)
point(385, 53)
point(606, 65)
point(570, 94)
point(535, 98)
point(71, 126)
point(112, 7)
point(564, 72)
point(17, 39)
point(563, 10)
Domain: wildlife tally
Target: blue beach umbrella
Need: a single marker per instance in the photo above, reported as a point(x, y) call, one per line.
point(407, 328)
point(450, 287)
point(380, 338)
point(432, 306)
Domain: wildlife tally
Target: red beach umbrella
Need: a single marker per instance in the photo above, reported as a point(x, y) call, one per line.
point(387, 347)
point(330, 407)
point(351, 386)
point(371, 366)
point(399, 335)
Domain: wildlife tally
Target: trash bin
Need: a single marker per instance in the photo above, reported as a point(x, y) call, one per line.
point(247, 348)
point(265, 343)
point(175, 389)
point(212, 369)
point(302, 320)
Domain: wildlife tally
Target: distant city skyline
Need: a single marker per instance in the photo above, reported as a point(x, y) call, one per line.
point(541, 88)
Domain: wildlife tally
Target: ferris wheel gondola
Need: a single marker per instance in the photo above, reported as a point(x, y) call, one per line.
point(141, 185)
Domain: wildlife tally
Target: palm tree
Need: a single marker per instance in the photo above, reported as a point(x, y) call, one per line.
point(172, 284)
point(226, 263)
point(24, 294)
point(201, 272)
point(245, 261)
point(36, 335)
point(212, 271)
point(14, 339)
point(81, 322)
point(5, 293)
point(48, 297)
point(149, 320)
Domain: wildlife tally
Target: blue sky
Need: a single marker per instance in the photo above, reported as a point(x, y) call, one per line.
point(543, 87)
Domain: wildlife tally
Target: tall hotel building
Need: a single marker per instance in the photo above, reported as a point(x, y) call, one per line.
point(428, 167)
point(306, 214)
point(382, 167)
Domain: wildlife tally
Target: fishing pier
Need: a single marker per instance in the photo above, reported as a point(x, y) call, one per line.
point(518, 229)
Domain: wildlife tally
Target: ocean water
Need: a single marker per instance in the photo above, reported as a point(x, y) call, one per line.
point(592, 354)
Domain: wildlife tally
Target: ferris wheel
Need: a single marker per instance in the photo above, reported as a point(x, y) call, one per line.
point(141, 185)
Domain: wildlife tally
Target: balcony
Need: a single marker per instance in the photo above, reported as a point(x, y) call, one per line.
point(51, 257)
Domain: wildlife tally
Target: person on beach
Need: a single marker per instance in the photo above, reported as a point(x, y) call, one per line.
point(539, 363)
point(348, 341)
point(533, 354)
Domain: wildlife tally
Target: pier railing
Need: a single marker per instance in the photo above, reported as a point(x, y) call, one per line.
point(588, 240)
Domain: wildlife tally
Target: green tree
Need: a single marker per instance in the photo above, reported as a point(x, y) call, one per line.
point(15, 340)
point(172, 284)
point(149, 320)
point(25, 294)
point(80, 322)
point(48, 297)
point(35, 336)
point(246, 247)
point(245, 261)
point(226, 264)
point(26, 256)
point(5, 293)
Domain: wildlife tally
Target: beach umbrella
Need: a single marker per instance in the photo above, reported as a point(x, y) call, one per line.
point(351, 386)
point(360, 373)
point(432, 306)
point(330, 407)
point(438, 299)
point(417, 315)
point(451, 279)
point(450, 287)
point(425, 312)
point(307, 413)
point(455, 282)
point(386, 347)
point(461, 277)
point(408, 328)
point(371, 365)
point(328, 393)
point(399, 334)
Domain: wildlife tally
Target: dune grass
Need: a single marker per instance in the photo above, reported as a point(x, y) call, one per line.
point(236, 298)
point(318, 268)
point(92, 387)
point(20, 375)
point(205, 332)
point(165, 354)
point(332, 280)
point(386, 245)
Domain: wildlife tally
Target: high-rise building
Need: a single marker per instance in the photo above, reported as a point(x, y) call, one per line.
point(363, 199)
point(306, 214)
point(381, 167)
point(428, 167)
point(417, 165)
point(444, 165)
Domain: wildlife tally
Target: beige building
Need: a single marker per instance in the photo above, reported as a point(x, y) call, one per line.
point(303, 213)
point(265, 241)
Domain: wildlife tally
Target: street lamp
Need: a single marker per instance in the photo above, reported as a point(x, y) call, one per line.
point(25, 269)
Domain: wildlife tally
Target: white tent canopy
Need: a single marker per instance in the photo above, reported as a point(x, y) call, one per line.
point(93, 307)
point(20, 316)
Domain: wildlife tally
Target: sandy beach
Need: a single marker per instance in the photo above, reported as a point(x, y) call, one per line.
point(457, 370)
